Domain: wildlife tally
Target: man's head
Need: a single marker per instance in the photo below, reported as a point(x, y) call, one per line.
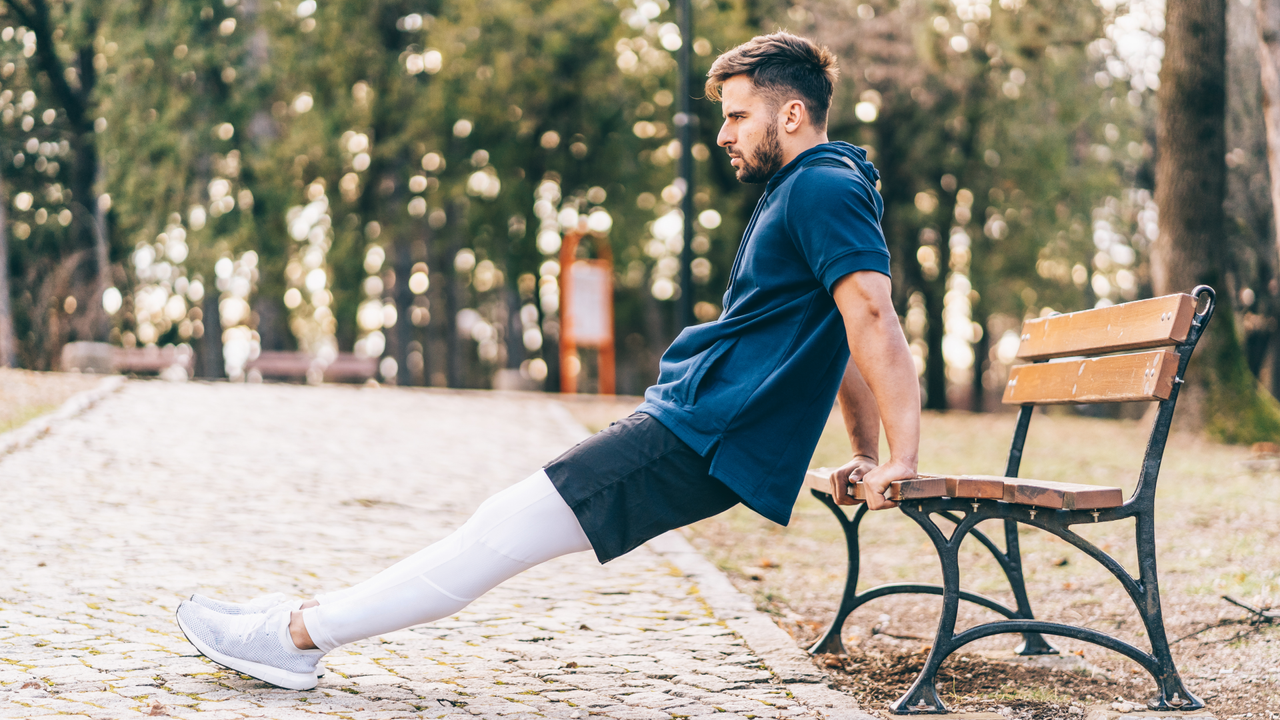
point(776, 91)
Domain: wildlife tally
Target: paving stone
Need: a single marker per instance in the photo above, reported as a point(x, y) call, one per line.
point(160, 490)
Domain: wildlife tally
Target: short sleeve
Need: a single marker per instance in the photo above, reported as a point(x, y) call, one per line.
point(834, 218)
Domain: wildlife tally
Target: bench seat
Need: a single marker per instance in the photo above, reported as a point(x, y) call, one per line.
point(1021, 491)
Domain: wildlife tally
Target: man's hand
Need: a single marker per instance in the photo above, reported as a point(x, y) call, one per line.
point(843, 478)
point(877, 481)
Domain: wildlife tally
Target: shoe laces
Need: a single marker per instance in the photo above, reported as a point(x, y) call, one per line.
point(244, 627)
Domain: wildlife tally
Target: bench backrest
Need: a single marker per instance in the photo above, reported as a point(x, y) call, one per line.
point(1158, 322)
point(1071, 364)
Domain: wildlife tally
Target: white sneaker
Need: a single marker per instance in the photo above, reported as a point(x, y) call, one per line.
point(256, 605)
point(257, 644)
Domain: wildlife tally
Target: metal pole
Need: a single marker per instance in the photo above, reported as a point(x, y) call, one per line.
point(686, 121)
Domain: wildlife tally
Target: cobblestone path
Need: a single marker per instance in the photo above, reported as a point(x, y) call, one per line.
point(161, 490)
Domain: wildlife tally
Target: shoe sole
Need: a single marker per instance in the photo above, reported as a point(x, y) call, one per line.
point(258, 671)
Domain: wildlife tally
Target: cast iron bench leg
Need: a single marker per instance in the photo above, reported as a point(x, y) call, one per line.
point(1173, 693)
point(922, 697)
point(849, 601)
point(1032, 643)
point(1010, 562)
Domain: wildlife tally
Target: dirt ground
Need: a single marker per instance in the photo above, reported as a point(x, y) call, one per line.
point(1217, 531)
point(25, 395)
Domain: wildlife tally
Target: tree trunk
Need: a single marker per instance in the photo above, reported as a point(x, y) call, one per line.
point(1190, 188)
point(99, 320)
point(404, 307)
point(209, 360)
point(453, 295)
point(981, 350)
point(1269, 57)
point(8, 352)
point(935, 367)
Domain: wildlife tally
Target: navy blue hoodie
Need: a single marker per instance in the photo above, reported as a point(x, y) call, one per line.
point(754, 388)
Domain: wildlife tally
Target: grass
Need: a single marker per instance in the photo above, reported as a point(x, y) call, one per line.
point(22, 415)
point(26, 395)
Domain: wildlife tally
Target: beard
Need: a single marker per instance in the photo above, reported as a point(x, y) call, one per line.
point(765, 160)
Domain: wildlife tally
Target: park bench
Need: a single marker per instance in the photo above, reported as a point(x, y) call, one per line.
point(1074, 360)
point(151, 360)
point(296, 366)
point(96, 357)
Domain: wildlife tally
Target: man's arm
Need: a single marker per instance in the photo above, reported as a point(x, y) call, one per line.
point(862, 419)
point(880, 384)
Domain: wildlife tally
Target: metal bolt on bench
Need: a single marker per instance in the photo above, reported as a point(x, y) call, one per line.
point(1088, 375)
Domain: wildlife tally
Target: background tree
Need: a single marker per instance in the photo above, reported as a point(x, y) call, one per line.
point(47, 63)
point(1190, 189)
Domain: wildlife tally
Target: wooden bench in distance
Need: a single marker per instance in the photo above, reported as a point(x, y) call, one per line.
point(152, 359)
point(294, 366)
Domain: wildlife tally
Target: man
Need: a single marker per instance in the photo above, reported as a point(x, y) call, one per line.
point(734, 417)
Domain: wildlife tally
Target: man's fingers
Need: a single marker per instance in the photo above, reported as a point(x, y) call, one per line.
point(840, 489)
point(876, 501)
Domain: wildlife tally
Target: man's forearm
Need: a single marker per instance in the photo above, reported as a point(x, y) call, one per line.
point(880, 352)
point(860, 413)
point(890, 375)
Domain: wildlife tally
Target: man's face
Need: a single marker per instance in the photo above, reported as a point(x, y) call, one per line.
point(750, 131)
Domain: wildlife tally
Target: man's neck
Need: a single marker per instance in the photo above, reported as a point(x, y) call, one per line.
point(798, 145)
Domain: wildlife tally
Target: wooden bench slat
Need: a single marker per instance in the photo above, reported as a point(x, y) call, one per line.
point(899, 490)
point(922, 487)
point(818, 479)
point(1065, 496)
point(1114, 378)
point(975, 487)
point(1023, 491)
point(1135, 325)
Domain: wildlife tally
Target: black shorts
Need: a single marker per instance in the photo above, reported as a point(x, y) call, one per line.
point(633, 481)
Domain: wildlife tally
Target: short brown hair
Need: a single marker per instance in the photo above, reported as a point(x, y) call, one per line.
point(783, 67)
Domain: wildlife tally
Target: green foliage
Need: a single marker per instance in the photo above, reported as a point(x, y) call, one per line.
point(517, 93)
point(249, 146)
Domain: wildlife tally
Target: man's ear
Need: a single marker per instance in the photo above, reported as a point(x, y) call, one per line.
point(793, 115)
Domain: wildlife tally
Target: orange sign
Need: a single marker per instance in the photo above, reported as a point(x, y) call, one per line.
point(588, 317)
point(586, 312)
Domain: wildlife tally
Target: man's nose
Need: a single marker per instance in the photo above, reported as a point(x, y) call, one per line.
point(724, 139)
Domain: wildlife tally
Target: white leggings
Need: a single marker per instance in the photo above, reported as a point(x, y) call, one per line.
point(526, 524)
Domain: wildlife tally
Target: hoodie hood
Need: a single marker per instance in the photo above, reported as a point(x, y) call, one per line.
point(852, 155)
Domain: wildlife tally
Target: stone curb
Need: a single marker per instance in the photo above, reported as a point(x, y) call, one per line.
point(788, 663)
point(76, 404)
